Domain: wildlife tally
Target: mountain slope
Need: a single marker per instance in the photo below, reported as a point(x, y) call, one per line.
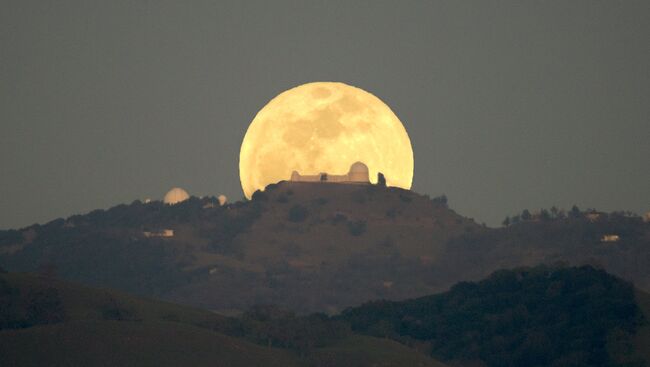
point(44, 321)
point(526, 317)
point(122, 343)
point(311, 247)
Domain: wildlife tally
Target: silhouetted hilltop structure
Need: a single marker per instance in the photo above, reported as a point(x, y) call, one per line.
point(358, 174)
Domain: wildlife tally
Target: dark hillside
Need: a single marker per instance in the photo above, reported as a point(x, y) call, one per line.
point(114, 343)
point(312, 247)
point(47, 322)
point(528, 317)
point(109, 247)
point(574, 240)
point(308, 247)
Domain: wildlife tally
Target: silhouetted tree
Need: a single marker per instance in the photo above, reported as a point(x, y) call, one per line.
point(575, 212)
point(544, 214)
point(506, 222)
point(259, 195)
point(554, 212)
point(440, 200)
point(357, 228)
point(525, 215)
point(298, 213)
point(44, 307)
point(381, 180)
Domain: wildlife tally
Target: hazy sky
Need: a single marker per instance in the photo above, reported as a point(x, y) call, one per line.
point(509, 104)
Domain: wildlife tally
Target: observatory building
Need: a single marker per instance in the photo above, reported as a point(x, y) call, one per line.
point(175, 196)
point(358, 174)
point(222, 200)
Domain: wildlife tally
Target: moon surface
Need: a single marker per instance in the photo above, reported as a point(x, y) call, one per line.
point(324, 127)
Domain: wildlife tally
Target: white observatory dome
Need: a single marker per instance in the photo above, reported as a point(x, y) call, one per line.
point(222, 200)
point(359, 172)
point(175, 196)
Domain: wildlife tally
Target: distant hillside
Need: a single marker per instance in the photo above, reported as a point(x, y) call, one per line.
point(46, 322)
point(576, 239)
point(542, 316)
point(305, 246)
point(310, 247)
point(528, 317)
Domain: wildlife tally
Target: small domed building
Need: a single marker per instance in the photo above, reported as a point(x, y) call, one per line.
point(222, 200)
point(358, 173)
point(175, 195)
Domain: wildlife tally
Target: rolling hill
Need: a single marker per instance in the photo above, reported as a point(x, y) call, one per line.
point(45, 321)
point(541, 316)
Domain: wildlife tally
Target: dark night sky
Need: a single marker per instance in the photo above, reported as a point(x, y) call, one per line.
point(509, 104)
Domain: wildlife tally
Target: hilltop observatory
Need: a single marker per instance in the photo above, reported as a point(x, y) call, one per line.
point(358, 174)
point(175, 195)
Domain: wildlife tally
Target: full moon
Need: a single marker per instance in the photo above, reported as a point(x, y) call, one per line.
point(324, 127)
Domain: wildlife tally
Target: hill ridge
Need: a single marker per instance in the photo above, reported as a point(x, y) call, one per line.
point(310, 247)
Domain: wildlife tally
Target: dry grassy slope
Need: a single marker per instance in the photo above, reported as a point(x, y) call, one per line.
point(164, 334)
point(416, 228)
point(113, 343)
point(86, 303)
point(360, 351)
point(160, 334)
point(123, 343)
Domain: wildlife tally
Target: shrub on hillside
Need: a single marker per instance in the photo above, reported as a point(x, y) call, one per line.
point(322, 201)
point(440, 201)
point(44, 307)
point(359, 197)
point(259, 196)
point(113, 310)
point(405, 198)
point(391, 213)
point(357, 227)
point(338, 218)
point(298, 213)
point(274, 327)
